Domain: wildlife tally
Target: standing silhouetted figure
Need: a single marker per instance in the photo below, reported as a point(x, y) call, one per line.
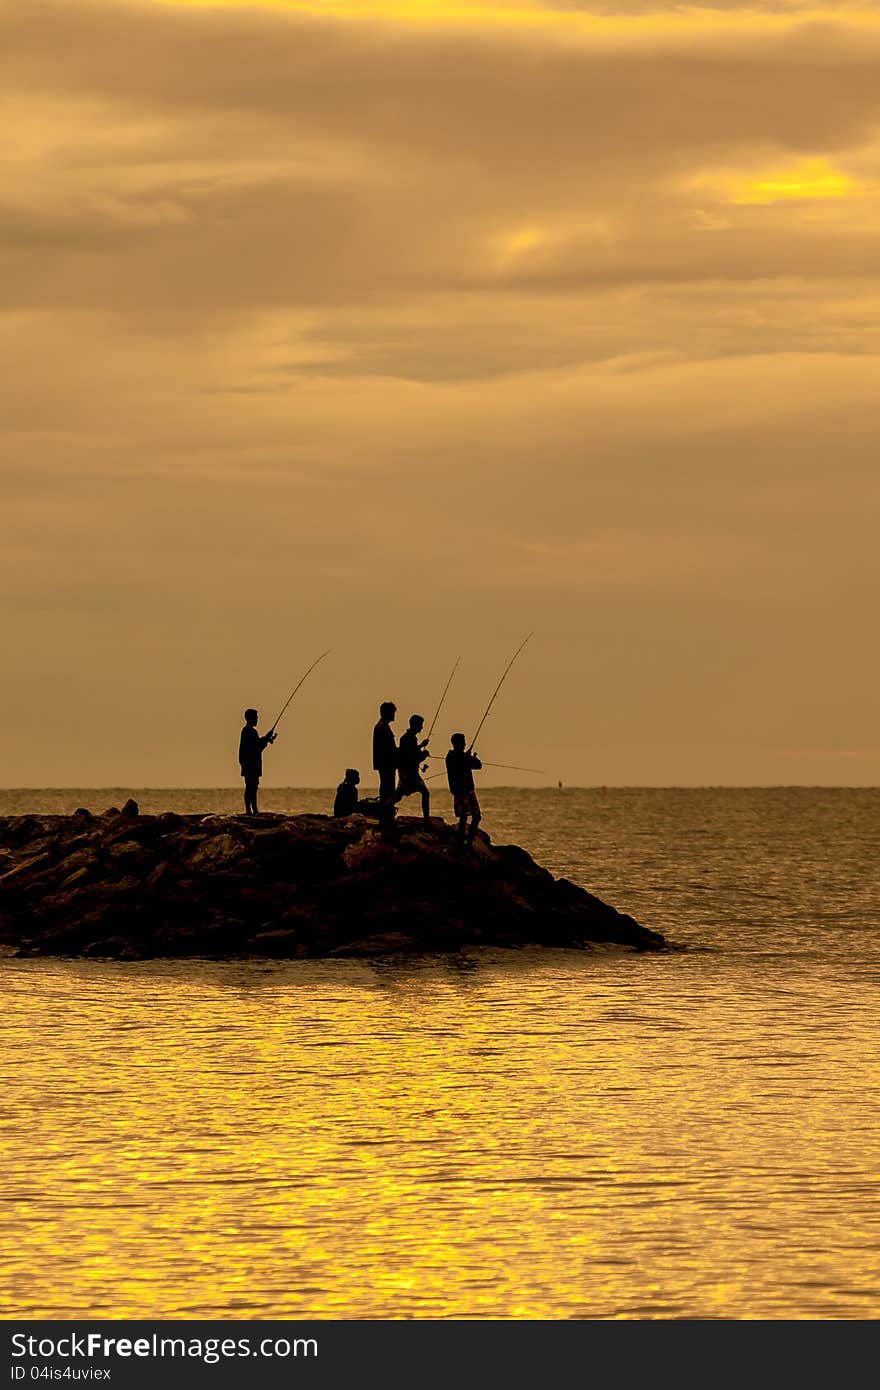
point(346, 802)
point(250, 758)
point(410, 756)
point(460, 765)
point(385, 759)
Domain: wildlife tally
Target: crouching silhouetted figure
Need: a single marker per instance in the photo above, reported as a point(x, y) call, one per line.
point(460, 766)
point(346, 802)
point(250, 759)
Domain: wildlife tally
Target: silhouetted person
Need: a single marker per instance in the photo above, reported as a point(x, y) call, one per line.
point(346, 802)
point(460, 765)
point(385, 759)
point(410, 756)
point(250, 758)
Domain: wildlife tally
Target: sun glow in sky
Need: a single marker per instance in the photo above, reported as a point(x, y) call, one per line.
point(800, 182)
point(814, 178)
point(809, 180)
point(646, 16)
point(407, 329)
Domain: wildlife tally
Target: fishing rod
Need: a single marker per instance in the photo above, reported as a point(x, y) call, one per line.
point(300, 682)
point(508, 767)
point(497, 688)
point(512, 767)
point(443, 696)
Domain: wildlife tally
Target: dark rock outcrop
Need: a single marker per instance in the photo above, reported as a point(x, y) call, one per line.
point(131, 886)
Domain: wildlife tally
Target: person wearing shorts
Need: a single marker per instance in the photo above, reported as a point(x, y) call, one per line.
point(460, 767)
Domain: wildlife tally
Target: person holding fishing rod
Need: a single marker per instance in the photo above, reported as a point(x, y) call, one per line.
point(461, 764)
point(411, 753)
point(250, 759)
point(251, 744)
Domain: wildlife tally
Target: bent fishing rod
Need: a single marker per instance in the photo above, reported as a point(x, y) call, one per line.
point(497, 688)
point(508, 767)
point(443, 697)
point(299, 683)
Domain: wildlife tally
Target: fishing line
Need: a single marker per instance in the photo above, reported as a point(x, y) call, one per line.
point(443, 696)
point(497, 688)
point(300, 682)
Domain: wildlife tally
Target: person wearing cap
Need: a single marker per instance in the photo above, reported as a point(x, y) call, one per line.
point(460, 766)
point(250, 759)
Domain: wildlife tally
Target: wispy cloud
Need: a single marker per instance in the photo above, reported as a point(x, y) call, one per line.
point(413, 322)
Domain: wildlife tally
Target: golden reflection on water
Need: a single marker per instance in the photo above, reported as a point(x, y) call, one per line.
point(537, 1135)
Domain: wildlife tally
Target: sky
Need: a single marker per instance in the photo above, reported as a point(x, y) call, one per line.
point(407, 329)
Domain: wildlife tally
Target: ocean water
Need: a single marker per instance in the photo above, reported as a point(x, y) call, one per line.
point(532, 1134)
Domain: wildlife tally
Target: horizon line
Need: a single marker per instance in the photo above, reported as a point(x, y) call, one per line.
point(486, 786)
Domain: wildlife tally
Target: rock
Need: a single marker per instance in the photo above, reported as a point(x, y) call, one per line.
point(78, 854)
point(29, 870)
point(78, 878)
point(115, 947)
point(198, 939)
point(130, 809)
point(254, 901)
point(280, 941)
point(217, 852)
point(381, 944)
point(271, 839)
point(128, 886)
point(162, 873)
point(127, 854)
point(367, 852)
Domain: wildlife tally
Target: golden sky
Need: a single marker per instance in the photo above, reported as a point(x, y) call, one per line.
point(407, 328)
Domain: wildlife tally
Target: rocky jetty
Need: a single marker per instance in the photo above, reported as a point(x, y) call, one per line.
point(131, 887)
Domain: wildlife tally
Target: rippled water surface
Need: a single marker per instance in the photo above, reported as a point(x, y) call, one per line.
point(508, 1135)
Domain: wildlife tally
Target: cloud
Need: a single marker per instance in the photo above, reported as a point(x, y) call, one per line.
point(244, 159)
point(810, 180)
point(419, 334)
